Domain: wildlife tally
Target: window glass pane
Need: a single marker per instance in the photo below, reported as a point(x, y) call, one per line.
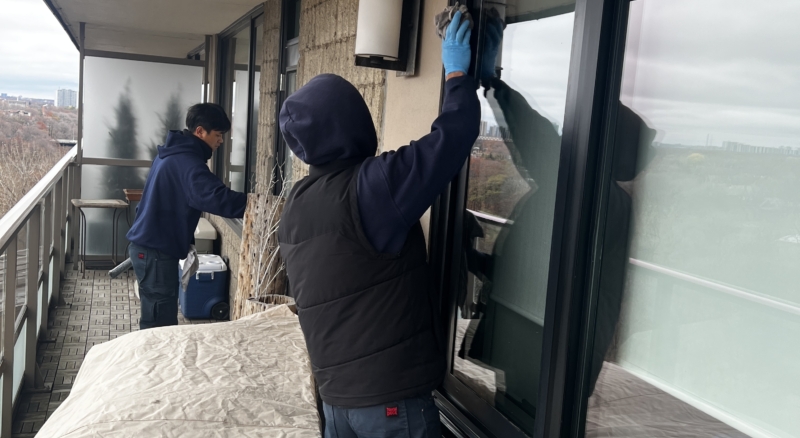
point(288, 173)
point(19, 359)
point(240, 44)
point(293, 19)
point(251, 177)
point(293, 53)
point(510, 200)
point(698, 314)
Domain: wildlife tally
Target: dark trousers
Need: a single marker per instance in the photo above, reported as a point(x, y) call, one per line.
point(158, 286)
point(416, 417)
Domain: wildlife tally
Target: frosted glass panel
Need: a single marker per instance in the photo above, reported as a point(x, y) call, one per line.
point(699, 305)
point(128, 108)
point(130, 105)
point(19, 358)
point(98, 182)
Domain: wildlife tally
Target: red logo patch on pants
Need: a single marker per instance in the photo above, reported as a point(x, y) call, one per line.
point(391, 412)
point(141, 255)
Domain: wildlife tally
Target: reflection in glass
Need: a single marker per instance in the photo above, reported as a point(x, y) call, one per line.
point(698, 314)
point(510, 200)
point(240, 45)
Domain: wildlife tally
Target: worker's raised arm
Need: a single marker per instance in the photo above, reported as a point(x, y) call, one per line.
point(395, 188)
point(205, 192)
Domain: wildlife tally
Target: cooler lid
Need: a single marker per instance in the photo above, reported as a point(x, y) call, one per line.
point(209, 263)
point(205, 230)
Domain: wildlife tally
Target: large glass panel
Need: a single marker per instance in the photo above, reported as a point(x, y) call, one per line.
point(22, 269)
point(130, 105)
point(240, 74)
point(510, 204)
point(128, 108)
point(3, 270)
point(698, 314)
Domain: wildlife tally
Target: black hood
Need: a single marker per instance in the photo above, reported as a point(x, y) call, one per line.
point(328, 120)
point(184, 142)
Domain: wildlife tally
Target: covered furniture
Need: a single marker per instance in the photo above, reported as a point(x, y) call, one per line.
point(245, 378)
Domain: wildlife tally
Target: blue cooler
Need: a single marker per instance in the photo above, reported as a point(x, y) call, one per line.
point(206, 296)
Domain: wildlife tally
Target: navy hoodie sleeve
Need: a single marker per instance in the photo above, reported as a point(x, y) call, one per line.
point(205, 192)
point(395, 188)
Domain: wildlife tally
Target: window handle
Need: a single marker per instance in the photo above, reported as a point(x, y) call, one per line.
point(282, 86)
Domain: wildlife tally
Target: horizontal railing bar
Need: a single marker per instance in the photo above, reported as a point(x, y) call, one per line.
point(20, 321)
point(491, 218)
point(13, 220)
point(119, 162)
point(786, 307)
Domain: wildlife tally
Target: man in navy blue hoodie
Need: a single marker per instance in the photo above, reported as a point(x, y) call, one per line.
point(178, 189)
point(356, 256)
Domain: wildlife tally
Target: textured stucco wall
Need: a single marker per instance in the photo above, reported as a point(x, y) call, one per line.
point(327, 45)
point(267, 119)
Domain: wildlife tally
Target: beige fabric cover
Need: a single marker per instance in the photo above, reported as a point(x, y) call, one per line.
point(246, 378)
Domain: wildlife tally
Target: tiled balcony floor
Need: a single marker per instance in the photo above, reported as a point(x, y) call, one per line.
point(97, 309)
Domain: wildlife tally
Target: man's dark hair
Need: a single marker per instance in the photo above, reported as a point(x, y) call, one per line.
point(210, 116)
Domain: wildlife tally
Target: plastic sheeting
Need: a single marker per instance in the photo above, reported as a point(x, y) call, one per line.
point(246, 378)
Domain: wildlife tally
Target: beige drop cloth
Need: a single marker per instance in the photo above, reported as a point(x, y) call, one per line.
point(246, 378)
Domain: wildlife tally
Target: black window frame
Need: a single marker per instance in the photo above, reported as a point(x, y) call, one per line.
point(224, 95)
point(290, 35)
point(584, 173)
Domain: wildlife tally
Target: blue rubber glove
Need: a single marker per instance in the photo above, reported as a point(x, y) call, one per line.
point(456, 53)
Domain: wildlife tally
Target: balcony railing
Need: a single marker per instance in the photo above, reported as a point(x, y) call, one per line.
point(35, 238)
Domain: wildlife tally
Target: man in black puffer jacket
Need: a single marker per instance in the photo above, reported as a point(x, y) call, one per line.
point(355, 252)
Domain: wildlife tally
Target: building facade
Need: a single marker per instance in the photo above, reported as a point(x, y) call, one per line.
point(67, 98)
point(631, 193)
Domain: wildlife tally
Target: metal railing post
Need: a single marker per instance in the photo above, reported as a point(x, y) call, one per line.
point(32, 295)
point(9, 317)
point(48, 239)
point(72, 216)
point(66, 211)
point(76, 194)
point(59, 236)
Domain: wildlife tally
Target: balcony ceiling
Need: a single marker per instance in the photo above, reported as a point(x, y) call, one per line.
point(148, 27)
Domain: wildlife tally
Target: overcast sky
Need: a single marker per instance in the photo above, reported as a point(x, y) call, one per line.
point(36, 55)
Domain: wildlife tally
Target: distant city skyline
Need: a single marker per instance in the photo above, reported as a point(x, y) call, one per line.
point(38, 56)
point(67, 98)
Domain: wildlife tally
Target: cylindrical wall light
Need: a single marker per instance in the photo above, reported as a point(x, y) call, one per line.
point(379, 25)
point(387, 34)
